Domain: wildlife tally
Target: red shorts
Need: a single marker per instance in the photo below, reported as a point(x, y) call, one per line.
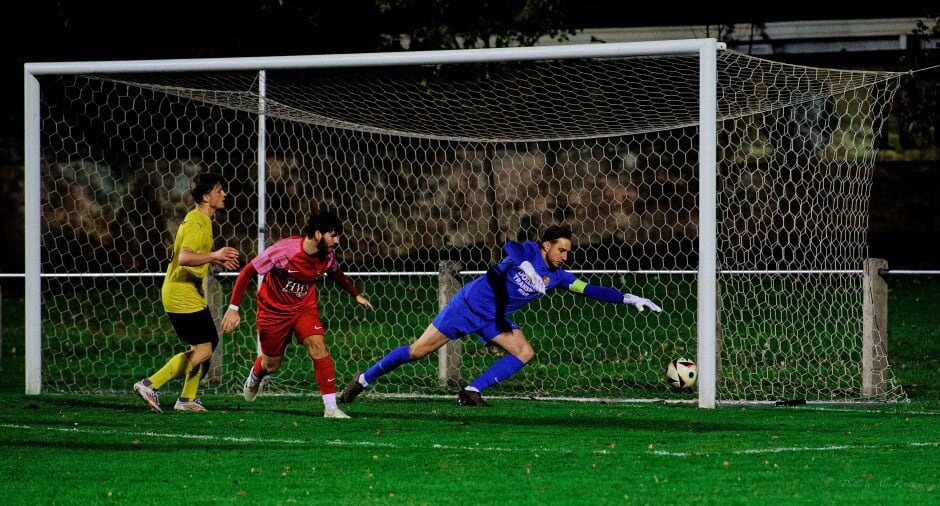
point(274, 330)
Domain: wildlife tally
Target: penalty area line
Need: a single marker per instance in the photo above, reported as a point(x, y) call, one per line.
point(254, 440)
point(201, 437)
point(866, 411)
point(372, 444)
point(758, 451)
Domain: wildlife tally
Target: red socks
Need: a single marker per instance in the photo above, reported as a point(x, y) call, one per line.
point(257, 370)
point(326, 375)
point(323, 369)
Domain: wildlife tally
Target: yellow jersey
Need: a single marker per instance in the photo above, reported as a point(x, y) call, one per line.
point(184, 287)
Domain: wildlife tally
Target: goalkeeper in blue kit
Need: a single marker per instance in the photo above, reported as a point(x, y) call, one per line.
point(483, 305)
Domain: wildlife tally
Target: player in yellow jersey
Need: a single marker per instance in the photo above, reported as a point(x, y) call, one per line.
point(184, 297)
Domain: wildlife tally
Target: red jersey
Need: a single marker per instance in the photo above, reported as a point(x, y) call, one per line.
point(290, 277)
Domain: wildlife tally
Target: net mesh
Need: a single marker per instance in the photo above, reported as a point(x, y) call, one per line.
point(433, 169)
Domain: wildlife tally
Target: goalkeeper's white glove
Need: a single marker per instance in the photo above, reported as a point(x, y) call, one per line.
point(535, 280)
point(640, 302)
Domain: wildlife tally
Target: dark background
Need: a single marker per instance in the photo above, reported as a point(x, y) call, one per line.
point(68, 30)
point(905, 216)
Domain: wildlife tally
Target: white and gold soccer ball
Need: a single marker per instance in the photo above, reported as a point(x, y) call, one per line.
point(681, 373)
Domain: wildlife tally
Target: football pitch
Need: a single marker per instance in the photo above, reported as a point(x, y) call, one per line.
point(279, 449)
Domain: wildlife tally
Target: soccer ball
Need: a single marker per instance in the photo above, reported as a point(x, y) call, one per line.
point(681, 373)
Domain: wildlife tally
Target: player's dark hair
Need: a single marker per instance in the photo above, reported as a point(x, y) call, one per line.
point(323, 222)
point(555, 232)
point(203, 184)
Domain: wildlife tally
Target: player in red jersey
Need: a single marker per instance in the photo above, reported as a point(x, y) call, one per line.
point(287, 303)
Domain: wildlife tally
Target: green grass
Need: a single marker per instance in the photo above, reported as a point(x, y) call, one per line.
point(279, 450)
point(81, 450)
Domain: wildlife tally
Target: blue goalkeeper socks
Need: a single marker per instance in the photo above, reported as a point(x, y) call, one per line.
point(389, 362)
point(500, 370)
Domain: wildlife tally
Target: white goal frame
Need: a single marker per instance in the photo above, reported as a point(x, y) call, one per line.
point(706, 49)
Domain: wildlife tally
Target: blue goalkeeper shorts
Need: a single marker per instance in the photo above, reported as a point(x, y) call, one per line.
point(458, 319)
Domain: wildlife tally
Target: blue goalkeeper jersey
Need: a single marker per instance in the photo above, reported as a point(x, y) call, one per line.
point(479, 295)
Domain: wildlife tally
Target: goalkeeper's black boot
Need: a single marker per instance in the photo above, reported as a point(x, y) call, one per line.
point(352, 390)
point(470, 398)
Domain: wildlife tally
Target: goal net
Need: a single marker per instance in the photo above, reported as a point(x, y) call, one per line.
point(433, 168)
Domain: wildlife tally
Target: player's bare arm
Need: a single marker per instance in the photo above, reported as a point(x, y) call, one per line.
point(226, 256)
point(364, 302)
point(230, 320)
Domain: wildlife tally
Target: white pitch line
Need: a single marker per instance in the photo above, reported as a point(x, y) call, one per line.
point(228, 439)
point(334, 442)
point(340, 442)
point(498, 449)
point(758, 451)
point(860, 410)
point(373, 444)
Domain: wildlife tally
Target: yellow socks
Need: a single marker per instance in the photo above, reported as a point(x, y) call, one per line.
point(193, 375)
point(173, 369)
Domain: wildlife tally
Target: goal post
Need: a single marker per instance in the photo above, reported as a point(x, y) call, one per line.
point(698, 177)
point(707, 314)
point(33, 247)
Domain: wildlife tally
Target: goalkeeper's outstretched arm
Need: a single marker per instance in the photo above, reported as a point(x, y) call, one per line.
point(604, 294)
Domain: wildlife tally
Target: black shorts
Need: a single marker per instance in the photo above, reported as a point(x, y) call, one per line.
point(195, 328)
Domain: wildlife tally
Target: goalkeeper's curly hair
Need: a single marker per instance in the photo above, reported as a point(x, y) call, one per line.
point(555, 232)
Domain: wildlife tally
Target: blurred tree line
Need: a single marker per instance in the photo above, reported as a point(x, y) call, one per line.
point(47, 30)
point(919, 99)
